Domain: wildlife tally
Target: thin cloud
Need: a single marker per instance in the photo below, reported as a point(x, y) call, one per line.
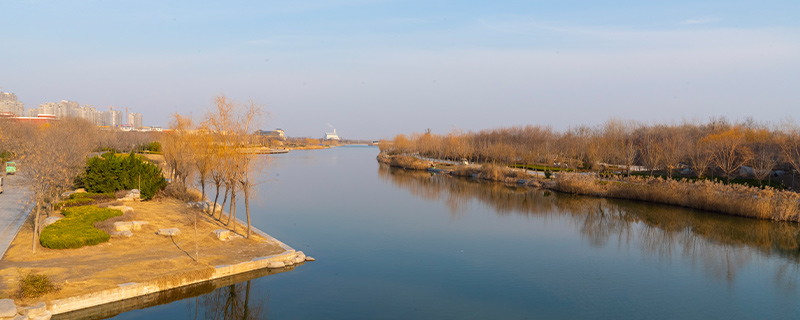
point(699, 21)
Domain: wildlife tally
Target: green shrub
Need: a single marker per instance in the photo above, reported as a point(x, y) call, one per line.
point(32, 285)
point(110, 173)
point(84, 198)
point(77, 228)
point(92, 195)
point(154, 146)
point(73, 203)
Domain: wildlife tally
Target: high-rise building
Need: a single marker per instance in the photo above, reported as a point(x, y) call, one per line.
point(68, 109)
point(49, 108)
point(135, 120)
point(103, 118)
point(114, 118)
point(9, 103)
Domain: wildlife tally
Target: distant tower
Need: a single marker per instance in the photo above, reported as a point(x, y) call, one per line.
point(332, 136)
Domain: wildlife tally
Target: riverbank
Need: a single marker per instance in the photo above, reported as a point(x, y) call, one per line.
point(311, 147)
point(144, 262)
point(752, 202)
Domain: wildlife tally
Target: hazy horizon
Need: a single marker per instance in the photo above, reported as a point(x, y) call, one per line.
point(373, 69)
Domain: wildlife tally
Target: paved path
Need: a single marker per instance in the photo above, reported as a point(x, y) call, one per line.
point(15, 205)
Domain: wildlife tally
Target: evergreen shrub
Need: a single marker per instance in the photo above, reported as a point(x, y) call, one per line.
point(110, 173)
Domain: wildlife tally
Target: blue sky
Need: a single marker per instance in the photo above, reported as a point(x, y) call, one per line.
point(376, 68)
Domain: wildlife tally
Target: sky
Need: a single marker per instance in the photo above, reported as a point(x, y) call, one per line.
point(373, 69)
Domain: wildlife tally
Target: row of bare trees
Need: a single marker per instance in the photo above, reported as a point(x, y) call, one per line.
point(715, 146)
point(48, 156)
point(210, 153)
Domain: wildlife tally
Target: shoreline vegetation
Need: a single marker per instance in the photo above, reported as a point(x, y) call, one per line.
point(749, 163)
point(733, 199)
point(146, 252)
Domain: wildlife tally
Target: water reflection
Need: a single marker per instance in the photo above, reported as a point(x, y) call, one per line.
point(231, 302)
point(225, 298)
point(720, 245)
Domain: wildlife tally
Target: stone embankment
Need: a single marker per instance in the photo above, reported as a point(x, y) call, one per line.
point(9, 310)
point(281, 261)
point(135, 289)
point(289, 257)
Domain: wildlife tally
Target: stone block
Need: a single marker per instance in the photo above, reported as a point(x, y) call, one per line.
point(45, 316)
point(137, 225)
point(308, 258)
point(217, 206)
point(49, 221)
point(7, 308)
point(276, 264)
point(120, 226)
point(133, 195)
point(124, 209)
point(169, 232)
point(222, 234)
point(36, 310)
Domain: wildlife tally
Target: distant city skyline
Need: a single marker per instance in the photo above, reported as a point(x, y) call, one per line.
point(376, 68)
point(9, 102)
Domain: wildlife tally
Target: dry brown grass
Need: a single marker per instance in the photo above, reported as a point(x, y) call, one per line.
point(143, 257)
point(492, 173)
point(733, 199)
point(465, 171)
point(176, 191)
point(403, 161)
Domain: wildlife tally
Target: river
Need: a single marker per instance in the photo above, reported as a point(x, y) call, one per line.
point(395, 244)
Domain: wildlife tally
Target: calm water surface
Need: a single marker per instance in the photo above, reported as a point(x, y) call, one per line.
point(398, 244)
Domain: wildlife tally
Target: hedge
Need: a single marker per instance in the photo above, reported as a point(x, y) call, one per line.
point(73, 203)
point(84, 198)
point(92, 195)
point(77, 228)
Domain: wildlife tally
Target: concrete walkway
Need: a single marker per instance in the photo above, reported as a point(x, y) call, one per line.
point(15, 205)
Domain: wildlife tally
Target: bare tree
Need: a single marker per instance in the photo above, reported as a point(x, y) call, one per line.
point(699, 157)
point(231, 123)
point(51, 158)
point(673, 144)
point(175, 148)
point(203, 155)
point(728, 150)
point(248, 164)
point(651, 150)
point(765, 153)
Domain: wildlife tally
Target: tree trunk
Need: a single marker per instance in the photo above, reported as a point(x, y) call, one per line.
point(196, 246)
point(203, 189)
point(224, 200)
point(216, 197)
point(246, 299)
point(232, 214)
point(247, 207)
point(35, 228)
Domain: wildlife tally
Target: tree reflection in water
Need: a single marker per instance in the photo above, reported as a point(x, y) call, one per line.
point(719, 244)
point(231, 302)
